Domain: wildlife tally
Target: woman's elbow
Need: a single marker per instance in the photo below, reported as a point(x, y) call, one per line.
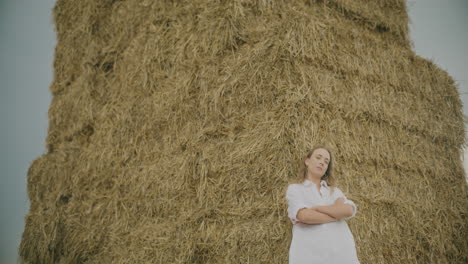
point(349, 211)
point(300, 215)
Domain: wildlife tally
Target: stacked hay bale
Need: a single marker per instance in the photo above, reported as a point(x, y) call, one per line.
point(176, 126)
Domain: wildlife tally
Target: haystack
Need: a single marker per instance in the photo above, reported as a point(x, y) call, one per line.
point(175, 127)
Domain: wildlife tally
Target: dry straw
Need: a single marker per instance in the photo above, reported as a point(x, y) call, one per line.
point(176, 126)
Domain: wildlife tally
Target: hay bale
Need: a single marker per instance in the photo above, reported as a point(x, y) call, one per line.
point(176, 126)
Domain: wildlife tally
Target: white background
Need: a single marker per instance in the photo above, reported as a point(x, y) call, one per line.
point(27, 41)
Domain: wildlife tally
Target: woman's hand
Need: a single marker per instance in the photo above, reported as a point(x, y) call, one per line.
point(339, 200)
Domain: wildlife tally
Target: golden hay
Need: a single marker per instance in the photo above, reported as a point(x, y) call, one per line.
point(175, 127)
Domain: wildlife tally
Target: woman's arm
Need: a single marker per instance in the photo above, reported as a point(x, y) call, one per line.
point(342, 208)
point(312, 216)
point(337, 211)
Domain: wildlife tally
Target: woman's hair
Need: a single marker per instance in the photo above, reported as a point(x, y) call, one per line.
point(327, 177)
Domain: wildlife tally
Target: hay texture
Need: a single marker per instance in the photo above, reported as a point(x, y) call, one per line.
point(176, 126)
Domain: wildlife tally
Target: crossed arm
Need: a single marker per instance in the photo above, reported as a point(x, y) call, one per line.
point(324, 214)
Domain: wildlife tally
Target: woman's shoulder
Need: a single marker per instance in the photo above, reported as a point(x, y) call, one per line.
point(335, 187)
point(293, 189)
point(336, 190)
point(294, 186)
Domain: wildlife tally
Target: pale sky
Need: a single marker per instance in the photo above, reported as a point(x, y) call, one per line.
point(438, 30)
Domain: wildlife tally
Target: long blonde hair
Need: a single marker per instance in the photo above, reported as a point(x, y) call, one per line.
point(327, 177)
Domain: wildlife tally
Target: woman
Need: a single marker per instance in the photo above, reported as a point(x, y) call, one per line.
point(317, 209)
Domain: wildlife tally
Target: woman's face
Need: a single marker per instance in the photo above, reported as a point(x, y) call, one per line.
point(317, 164)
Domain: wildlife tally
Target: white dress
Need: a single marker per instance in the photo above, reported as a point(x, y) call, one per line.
point(328, 243)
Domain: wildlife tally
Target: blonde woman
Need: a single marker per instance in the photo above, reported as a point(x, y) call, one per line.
point(318, 210)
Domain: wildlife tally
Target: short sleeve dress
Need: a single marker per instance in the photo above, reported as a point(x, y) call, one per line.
point(328, 243)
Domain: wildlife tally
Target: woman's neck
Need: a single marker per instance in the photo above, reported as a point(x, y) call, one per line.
point(313, 179)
